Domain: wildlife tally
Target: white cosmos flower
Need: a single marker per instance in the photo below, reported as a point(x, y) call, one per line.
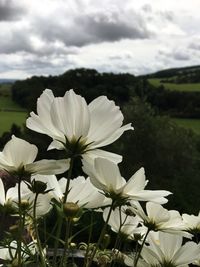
point(6, 197)
point(192, 222)
point(120, 222)
point(158, 218)
point(43, 205)
point(105, 175)
point(9, 253)
point(69, 119)
point(169, 251)
point(18, 157)
point(81, 191)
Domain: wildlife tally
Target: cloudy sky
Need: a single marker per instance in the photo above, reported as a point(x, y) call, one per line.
point(43, 37)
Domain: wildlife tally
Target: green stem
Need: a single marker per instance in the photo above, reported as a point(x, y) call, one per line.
point(64, 256)
point(60, 219)
point(137, 256)
point(19, 241)
point(102, 234)
point(57, 239)
point(39, 246)
point(89, 240)
point(118, 238)
point(69, 176)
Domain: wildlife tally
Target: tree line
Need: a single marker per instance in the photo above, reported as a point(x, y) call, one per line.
point(169, 154)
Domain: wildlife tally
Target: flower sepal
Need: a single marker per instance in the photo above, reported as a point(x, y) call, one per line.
point(38, 187)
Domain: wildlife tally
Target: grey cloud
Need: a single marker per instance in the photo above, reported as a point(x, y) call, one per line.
point(105, 28)
point(38, 66)
point(147, 8)
point(71, 30)
point(121, 57)
point(19, 40)
point(16, 41)
point(10, 11)
point(94, 28)
point(195, 45)
point(177, 54)
point(152, 14)
point(51, 49)
point(168, 15)
point(181, 55)
point(35, 63)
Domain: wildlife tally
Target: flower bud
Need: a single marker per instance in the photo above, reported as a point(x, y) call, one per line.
point(70, 209)
point(129, 212)
point(38, 187)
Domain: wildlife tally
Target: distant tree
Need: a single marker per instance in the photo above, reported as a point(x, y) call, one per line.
point(170, 155)
point(87, 82)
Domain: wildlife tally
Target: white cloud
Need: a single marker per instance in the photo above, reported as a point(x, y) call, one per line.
point(49, 37)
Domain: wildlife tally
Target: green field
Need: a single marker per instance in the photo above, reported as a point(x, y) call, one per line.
point(186, 87)
point(193, 124)
point(10, 112)
point(8, 118)
point(6, 103)
point(5, 89)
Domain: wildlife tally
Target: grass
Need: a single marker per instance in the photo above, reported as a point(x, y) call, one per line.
point(6, 103)
point(8, 118)
point(5, 89)
point(193, 124)
point(185, 87)
point(10, 112)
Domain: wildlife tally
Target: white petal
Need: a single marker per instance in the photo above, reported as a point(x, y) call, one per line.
point(2, 193)
point(136, 183)
point(34, 123)
point(157, 213)
point(5, 254)
point(109, 174)
point(106, 118)
point(12, 193)
point(42, 122)
point(158, 200)
point(57, 144)
point(99, 153)
point(88, 168)
point(43, 205)
point(70, 115)
point(84, 193)
point(48, 166)
point(188, 253)
point(150, 256)
point(169, 244)
point(104, 175)
point(155, 246)
point(19, 152)
point(44, 104)
point(5, 163)
point(113, 137)
point(156, 196)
